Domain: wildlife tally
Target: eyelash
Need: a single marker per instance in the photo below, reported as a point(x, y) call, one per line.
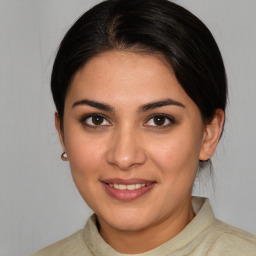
point(84, 118)
point(168, 118)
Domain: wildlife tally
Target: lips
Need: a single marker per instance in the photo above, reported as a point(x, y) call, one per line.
point(127, 189)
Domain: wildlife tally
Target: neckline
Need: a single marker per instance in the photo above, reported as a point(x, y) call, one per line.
point(204, 216)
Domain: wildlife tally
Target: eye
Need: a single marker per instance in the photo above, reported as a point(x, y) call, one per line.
point(160, 121)
point(95, 120)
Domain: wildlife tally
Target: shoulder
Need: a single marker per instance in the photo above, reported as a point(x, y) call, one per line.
point(229, 240)
point(213, 237)
point(72, 245)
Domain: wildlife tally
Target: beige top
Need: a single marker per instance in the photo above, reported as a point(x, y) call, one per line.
point(204, 235)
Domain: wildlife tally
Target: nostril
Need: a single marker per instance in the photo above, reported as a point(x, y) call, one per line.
point(125, 162)
point(125, 149)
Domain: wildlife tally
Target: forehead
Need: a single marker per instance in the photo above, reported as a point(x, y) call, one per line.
point(120, 76)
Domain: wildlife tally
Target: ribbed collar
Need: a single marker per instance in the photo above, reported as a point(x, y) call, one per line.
point(203, 219)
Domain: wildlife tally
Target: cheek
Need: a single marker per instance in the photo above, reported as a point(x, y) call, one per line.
point(85, 159)
point(178, 153)
point(85, 155)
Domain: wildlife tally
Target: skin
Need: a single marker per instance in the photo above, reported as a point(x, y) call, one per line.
point(128, 143)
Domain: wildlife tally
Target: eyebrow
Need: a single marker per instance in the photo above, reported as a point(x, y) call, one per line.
point(94, 104)
point(158, 104)
point(143, 108)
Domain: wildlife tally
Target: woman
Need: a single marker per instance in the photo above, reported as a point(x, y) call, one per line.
point(140, 91)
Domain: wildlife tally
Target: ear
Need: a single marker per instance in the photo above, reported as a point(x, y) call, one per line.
point(59, 130)
point(212, 134)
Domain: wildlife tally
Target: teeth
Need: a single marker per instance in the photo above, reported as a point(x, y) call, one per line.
point(127, 187)
point(131, 187)
point(121, 186)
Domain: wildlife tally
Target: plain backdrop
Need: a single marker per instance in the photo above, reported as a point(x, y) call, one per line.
point(39, 203)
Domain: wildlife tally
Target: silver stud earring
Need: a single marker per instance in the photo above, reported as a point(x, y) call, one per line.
point(64, 156)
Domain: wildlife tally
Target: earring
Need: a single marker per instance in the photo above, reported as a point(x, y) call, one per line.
point(64, 156)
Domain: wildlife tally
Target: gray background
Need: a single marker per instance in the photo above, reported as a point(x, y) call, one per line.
point(39, 203)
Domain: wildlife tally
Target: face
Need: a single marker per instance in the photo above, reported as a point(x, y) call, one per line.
point(133, 139)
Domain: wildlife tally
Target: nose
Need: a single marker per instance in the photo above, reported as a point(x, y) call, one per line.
point(126, 149)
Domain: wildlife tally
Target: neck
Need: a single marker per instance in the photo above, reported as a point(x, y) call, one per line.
point(140, 241)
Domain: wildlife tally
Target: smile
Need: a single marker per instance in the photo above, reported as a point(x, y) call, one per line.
point(127, 190)
point(127, 187)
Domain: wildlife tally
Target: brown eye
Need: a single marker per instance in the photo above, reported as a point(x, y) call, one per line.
point(95, 120)
point(159, 120)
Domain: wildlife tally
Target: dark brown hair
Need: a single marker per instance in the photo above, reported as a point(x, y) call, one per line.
point(153, 26)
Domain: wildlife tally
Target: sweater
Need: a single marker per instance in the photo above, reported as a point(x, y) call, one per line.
point(204, 235)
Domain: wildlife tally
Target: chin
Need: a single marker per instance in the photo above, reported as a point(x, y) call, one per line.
point(131, 226)
point(128, 221)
